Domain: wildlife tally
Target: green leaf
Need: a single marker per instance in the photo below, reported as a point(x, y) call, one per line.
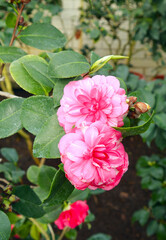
point(71, 234)
point(161, 233)
point(151, 228)
point(67, 64)
point(157, 172)
point(29, 203)
point(46, 141)
point(159, 120)
point(32, 174)
point(39, 70)
point(129, 131)
point(5, 228)
point(10, 154)
point(60, 190)
point(31, 80)
point(102, 61)
point(43, 36)
point(35, 111)
point(52, 215)
point(100, 236)
point(10, 54)
point(141, 216)
point(45, 177)
point(34, 232)
point(159, 212)
point(10, 111)
point(58, 90)
point(79, 195)
point(11, 20)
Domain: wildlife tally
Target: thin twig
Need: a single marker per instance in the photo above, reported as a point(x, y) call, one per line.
point(16, 25)
point(66, 229)
point(4, 180)
point(40, 228)
point(51, 231)
point(8, 95)
point(42, 161)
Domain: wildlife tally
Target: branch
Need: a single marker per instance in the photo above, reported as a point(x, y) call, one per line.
point(8, 95)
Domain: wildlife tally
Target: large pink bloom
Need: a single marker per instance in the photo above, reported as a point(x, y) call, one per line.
point(74, 216)
point(93, 157)
point(93, 99)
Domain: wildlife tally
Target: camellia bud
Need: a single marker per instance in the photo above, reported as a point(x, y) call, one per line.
point(25, 1)
point(13, 199)
point(131, 100)
point(1, 199)
point(21, 21)
point(6, 204)
point(8, 189)
point(141, 107)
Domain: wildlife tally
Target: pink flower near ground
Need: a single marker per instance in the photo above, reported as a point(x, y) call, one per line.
point(93, 157)
point(74, 216)
point(16, 235)
point(99, 98)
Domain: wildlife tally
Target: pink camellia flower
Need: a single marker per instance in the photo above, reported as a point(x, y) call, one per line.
point(93, 157)
point(93, 99)
point(74, 216)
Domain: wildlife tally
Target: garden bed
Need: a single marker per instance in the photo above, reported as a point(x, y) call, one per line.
point(113, 209)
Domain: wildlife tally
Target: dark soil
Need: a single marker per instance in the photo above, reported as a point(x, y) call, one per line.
point(113, 209)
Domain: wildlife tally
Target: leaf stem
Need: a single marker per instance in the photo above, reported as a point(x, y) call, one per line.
point(66, 229)
point(51, 231)
point(40, 228)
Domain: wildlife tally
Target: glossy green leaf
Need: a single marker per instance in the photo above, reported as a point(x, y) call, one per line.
point(34, 232)
point(35, 111)
point(141, 216)
point(129, 131)
point(39, 70)
point(71, 234)
point(67, 64)
point(11, 20)
point(60, 190)
point(46, 141)
point(43, 36)
point(45, 177)
point(161, 232)
point(29, 203)
point(10, 54)
point(34, 80)
point(32, 174)
point(102, 61)
point(5, 227)
point(151, 228)
point(100, 236)
point(58, 90)
point(10, 121)
point(10, 154)
point(160, 120)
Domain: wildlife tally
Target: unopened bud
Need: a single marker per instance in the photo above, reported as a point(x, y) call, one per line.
point(131, 100)
point(25, 1)
point(6, 204)
point(14, 198)
point(1, 199)
point(141, 107)
point(21, 21)
point(133, 115)
point(8, 189)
